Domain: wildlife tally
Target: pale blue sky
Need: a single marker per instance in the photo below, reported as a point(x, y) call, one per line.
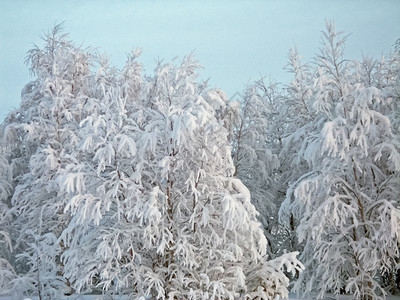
point(236, 41)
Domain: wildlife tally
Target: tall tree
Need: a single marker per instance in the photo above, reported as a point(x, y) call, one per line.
point(347, 203)
point(154, 205)
point(39, 137)
point(254, 155)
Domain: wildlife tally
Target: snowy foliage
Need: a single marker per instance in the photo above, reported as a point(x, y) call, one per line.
point(347, 202)
point(126, 182)
point(155, 207)
point(154, 186)
point(39, 138)
point(254, 161)
point(7, 272)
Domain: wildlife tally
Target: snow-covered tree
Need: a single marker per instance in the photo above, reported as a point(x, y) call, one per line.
point(295, 125)
point(7, 272)
point(155, 208)
point(255, 162)
point(39, 137)
point(347, 202)
point(98, 184)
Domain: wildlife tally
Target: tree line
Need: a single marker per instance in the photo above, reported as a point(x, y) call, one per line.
point(158, 186)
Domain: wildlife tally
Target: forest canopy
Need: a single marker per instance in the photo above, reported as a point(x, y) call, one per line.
point(156, 185)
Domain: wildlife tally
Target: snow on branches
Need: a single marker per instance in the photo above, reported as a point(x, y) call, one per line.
point(347, 200)
point(124, 182)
